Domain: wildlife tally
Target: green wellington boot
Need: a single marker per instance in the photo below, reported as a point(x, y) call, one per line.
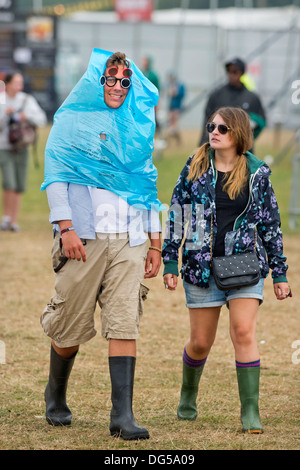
point(248, 382)
point(187, 408)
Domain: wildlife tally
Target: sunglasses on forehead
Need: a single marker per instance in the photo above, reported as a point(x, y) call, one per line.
point(110, 79)
point(114, 70)
point(222, 128)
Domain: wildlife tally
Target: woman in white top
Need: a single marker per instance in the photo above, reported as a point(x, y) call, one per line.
point(18, 106)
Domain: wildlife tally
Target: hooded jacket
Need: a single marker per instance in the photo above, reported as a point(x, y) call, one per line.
point(228, 95)
point(193, 205)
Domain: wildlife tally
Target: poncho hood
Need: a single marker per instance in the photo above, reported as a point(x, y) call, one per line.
point(94, 145)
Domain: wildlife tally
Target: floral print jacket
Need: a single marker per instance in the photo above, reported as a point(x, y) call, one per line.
point(193, 205)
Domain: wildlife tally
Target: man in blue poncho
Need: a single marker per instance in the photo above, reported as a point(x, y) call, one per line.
point(95, 177)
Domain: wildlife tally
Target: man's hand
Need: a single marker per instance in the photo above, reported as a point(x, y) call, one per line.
point(153, 262)
point(73, 246)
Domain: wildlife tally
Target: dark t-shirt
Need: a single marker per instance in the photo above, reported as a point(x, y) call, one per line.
point(229, 95)
point(227, 211)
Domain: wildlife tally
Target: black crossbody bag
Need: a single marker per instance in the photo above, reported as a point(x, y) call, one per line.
point(235, 271)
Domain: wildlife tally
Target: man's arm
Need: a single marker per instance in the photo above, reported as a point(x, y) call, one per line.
point(153, 260)
point(61, 214)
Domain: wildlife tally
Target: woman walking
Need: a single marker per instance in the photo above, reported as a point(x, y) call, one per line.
point(18, 106)
point(238, 213)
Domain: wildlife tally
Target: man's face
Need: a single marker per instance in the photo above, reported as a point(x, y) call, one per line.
point(234, 74)
point(115, 96)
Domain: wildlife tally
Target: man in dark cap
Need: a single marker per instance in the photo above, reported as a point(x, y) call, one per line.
point(234, 93)
point(237, 63)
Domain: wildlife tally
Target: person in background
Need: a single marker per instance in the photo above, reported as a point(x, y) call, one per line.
point(147, 69)
point(239, 214)
point(176, 93)
point(235, 93)
point(18, 106)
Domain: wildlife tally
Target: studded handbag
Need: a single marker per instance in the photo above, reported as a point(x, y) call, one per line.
point(235, 271)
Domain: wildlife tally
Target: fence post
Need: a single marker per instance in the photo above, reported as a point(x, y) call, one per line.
point(294, 211)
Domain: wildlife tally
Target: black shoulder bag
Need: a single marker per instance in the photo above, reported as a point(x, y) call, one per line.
point(235, 271)
point(22, 133)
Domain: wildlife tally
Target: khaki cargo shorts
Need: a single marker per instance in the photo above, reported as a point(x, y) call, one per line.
point(112, 276)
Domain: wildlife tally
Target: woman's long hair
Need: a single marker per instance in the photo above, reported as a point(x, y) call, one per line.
point(240, 129)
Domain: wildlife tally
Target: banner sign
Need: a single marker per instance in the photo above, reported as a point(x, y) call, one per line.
point(134, 10)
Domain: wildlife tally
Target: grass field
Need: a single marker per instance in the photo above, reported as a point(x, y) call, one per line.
point(26, 286)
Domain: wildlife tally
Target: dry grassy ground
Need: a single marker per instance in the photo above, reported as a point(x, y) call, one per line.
point(27, 284)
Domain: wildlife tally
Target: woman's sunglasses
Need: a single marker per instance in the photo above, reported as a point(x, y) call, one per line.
point(222, 128)
point(111, 80)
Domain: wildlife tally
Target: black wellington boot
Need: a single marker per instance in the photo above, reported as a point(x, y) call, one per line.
point(57, 411)
point(122, 422)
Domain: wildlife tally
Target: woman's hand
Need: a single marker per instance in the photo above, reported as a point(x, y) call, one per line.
point(282, 290)
point(170, 281)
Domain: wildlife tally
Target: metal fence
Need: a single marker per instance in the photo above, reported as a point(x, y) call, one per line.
point(196, 47)
point(294, 211)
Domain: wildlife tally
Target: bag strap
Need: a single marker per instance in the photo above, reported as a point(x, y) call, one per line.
point(23, 104)
point(211, 236)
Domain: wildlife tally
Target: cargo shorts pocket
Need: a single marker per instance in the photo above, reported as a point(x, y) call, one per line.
point(52, 316)
point(142, 297)
point(59, 258)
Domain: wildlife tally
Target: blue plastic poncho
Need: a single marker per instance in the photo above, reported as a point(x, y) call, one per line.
point(94, 145)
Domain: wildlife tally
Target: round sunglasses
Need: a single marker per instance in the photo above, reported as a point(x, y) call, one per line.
point(222, 128)
point(111, 81)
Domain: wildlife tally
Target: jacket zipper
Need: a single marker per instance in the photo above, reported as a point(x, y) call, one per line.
point(250, 190)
